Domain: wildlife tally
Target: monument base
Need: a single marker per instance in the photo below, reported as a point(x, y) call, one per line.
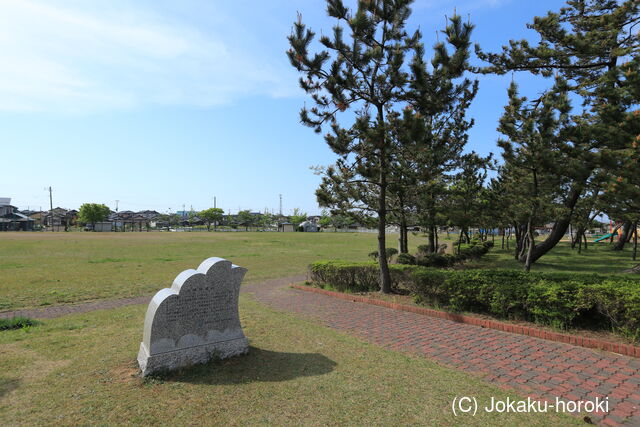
point(189, 356)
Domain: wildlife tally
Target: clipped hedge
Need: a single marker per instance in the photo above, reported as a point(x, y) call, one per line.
point(557, 299)
point(406, 259)
point(467, 252)
point(389, 251)
point(356, 276)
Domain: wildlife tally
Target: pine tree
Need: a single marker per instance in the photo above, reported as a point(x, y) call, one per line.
point(466, 193)
point(429, 145)
point(536, 147)
point(370, 73)
point(592, 47)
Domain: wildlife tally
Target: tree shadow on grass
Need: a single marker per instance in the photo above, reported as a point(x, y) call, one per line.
point(256, 366)
point(7, 385)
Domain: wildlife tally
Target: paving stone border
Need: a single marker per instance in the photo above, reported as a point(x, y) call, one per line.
point(624, 349)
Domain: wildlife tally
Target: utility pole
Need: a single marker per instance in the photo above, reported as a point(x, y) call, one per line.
point(51, 208)
point(280, 204)
point(214, 201)
point(117, 205)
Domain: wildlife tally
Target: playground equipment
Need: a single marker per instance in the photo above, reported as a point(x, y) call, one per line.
point(606, 236)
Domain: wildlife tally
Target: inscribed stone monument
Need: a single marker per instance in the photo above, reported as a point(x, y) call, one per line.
point(195, 320)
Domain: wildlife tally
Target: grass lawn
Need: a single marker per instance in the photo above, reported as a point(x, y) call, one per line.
point(38, 269)
point(599, 258)
point(80, 370)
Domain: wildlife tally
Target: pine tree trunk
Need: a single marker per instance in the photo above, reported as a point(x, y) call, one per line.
point(521, 242)
point(524, 250)
point(531, 245)
point(432, 241)
point(403, 239)
point(561, 225)
point(579, 240)
point(613, 233)
point(624, 237)
point(508, 238)
point(385, 275)
point(635, 240)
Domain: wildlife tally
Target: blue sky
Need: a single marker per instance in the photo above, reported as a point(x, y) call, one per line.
point(162, 103)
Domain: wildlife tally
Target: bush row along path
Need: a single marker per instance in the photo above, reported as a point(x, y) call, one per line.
point(535, 367)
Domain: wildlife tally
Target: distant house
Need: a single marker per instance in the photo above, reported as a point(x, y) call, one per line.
point(309, 226)
point(37, 216)
point(60, 217)
point(286, 227)
point(135, 221)
point(11, 219)
point(151, 218)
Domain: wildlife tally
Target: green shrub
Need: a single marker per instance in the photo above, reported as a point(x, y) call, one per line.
point(436, 260)
point(406, 259)
point(355, 277)
point(474, 250)
point(17, 323)
point(557, 299)
point(423, 249)
point(560, 300)
point(389, 251)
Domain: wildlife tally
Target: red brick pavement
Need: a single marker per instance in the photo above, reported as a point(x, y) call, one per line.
point(535, 367)
point(532, 366)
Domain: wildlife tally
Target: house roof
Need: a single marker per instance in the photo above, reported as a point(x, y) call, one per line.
point(16, 216)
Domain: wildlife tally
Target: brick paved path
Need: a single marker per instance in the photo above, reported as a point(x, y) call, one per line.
point(535, 367)
point(532, 366)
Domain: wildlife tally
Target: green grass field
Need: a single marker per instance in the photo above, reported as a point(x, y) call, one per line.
point(81, 370)
point(598, 258)
point(39, 269)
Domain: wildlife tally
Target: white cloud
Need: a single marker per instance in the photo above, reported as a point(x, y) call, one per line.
point(72, 59)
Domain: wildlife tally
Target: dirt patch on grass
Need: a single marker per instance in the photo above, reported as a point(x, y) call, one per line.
point(126, 373)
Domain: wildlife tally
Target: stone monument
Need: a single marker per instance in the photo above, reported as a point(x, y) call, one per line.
point(195, 320)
